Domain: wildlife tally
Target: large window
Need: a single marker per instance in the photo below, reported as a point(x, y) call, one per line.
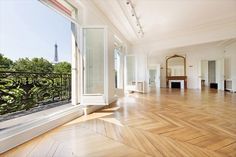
point(117, 62)
point(35, 61)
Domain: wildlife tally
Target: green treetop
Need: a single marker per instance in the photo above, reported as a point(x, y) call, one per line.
point(5, 63)
point(38, 65)
point(62, 67)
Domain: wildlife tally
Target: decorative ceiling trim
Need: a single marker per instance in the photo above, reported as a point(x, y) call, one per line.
point(226, 43)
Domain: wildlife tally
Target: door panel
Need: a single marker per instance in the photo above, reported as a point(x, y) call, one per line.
point(200, 75)
point(94, 62)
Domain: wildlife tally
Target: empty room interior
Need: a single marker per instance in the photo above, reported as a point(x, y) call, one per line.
point(147, 78)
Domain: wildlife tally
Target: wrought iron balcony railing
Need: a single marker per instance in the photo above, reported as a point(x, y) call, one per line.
point(25, 90)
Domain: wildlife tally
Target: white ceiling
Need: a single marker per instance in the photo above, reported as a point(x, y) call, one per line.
point(160, 17)
point(163, 19)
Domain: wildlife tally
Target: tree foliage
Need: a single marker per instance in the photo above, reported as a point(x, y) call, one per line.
point(22, 91)
point(62, 67)
point(39, 65)
point(5, 63)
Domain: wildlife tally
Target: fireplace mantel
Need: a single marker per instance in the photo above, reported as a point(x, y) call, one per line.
point(184, 78)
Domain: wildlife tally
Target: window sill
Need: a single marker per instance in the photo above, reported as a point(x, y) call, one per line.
point(17, 135)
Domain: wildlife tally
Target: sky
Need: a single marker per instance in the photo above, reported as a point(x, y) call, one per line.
point(30, 29)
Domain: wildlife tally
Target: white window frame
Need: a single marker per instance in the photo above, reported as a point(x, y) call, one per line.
point(94, 99)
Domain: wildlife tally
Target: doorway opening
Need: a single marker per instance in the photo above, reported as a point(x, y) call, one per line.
point(212, 74)
point(152, 77)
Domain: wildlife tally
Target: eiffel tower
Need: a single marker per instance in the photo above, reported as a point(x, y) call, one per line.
point(56, 55)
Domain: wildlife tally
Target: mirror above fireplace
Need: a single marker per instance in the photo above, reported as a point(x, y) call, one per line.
point(176, 71)
point(176, 66)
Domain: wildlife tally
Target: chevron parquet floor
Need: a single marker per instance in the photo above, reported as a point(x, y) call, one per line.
point(166, 123)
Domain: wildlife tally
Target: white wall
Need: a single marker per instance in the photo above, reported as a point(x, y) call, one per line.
point(194, 56)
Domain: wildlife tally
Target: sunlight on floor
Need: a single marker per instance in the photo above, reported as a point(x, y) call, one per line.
point(89, 117)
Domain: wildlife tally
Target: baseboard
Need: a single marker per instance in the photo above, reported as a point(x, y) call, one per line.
point(13, 137)
point(91, 109)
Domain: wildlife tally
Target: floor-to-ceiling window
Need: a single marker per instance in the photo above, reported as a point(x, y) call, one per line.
point(35, 42)
point(117, 62)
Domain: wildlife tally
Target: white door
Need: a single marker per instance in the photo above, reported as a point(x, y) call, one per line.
point(94, 66)
point(220, 73)
point(158, 76)
point(200, 75)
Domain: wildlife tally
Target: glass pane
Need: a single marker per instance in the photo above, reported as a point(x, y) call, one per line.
point(117, 67)
point(94, 60)
point(176, 66)
point(130, 68)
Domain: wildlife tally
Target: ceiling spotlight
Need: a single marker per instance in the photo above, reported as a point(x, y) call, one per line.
point(131, 8)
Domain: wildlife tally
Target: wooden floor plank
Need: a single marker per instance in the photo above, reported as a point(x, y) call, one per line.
point(162, 123)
